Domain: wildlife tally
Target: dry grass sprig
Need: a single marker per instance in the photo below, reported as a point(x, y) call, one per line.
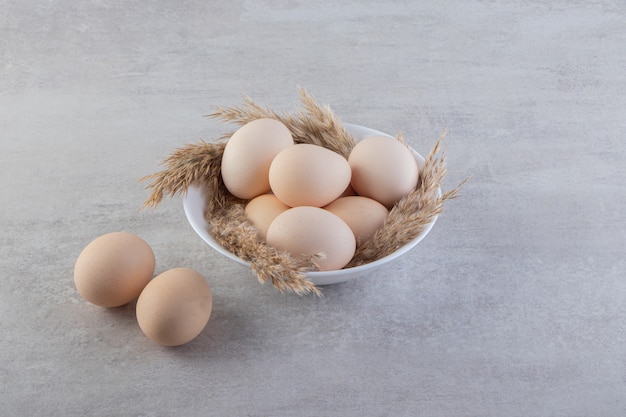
point(247, 112)
point(400, 138)
point(232, 229)
point(198, 163)
point(314, 123)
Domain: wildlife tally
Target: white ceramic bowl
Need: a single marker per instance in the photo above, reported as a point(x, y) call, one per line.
point(194, 202)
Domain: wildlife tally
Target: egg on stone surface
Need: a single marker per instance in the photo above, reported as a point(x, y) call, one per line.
point(362, 214)
point(308, 175)
point(174, 307)
point(262, 210)
point(113, 269)
point(306, 230)
point(383, 169)
point(248, 154)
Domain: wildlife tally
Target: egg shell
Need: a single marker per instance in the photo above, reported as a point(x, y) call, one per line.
point(113, 269)
point(248, 154)
point(348, 191)
point(383, 168)
point(362, 214)
point(174, 307)
point(306, 230)
point(308, 175)
point(262, 210)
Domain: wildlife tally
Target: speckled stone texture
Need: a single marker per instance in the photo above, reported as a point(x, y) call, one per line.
point(513, 306)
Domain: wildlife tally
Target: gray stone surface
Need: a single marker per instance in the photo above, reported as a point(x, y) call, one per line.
point(514, 305)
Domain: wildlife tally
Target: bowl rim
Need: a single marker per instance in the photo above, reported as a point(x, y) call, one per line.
point(195, 216)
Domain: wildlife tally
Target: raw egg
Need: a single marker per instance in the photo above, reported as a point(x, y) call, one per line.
point(308, 231)
point(308, 175)
point(362, 214)
point(174, 307)
point(262, 210)
point(113, 269)
point(383, 168)
point(248, 154)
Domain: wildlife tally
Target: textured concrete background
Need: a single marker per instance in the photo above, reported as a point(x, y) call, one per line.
point(514, 305)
